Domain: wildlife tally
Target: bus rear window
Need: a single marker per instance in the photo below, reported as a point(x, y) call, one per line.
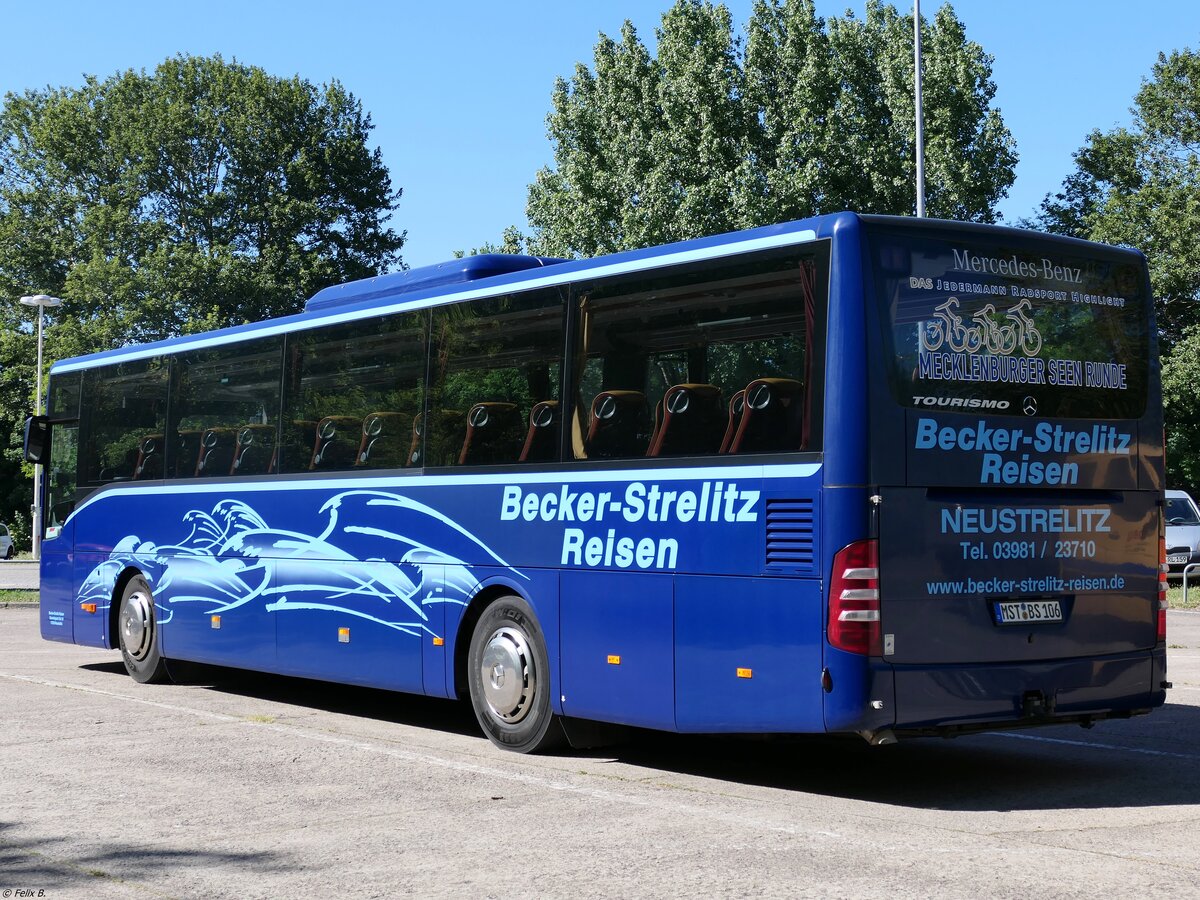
point(1023, 326)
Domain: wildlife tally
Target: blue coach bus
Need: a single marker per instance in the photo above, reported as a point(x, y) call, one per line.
point(852, 474)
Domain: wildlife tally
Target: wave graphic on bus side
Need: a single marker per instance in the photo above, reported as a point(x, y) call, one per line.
point(231, 558)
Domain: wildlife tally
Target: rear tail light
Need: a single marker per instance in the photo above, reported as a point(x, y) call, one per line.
point(1162, 590)
point(854, 600)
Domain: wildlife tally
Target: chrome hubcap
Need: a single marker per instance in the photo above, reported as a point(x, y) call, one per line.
point(509, 678)
point(136, 627)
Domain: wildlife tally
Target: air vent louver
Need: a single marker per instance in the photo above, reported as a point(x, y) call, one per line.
point(789, 534)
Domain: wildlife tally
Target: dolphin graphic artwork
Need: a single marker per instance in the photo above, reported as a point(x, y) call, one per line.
point(367, 561)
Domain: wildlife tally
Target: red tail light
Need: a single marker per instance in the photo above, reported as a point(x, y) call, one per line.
point(854, 600)
point(1162, 589)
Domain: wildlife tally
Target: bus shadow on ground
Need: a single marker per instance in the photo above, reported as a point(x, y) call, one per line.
point(412, 710)
point(1117, 763)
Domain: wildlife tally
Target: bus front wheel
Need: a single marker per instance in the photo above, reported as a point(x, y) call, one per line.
point(509, 675)
point(137, 631)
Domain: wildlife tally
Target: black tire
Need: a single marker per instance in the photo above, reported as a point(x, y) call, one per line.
point(137, 632)
point(8, 554)
point(509, 677)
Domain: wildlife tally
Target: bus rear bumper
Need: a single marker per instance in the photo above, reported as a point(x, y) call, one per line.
point(958, 699)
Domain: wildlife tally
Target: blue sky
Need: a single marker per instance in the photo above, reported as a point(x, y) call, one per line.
point(458, 92)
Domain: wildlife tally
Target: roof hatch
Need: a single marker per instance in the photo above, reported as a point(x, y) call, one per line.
point(456, 271)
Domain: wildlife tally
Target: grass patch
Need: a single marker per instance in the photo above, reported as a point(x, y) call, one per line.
point(1175, 595)
point(12, 596)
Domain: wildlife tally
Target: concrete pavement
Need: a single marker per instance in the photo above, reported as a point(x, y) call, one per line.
point(22, 575)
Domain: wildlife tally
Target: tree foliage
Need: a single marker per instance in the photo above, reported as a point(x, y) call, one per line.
point(1181, 407)
point(204, 194)
point(1140, 186)
point(717, 132)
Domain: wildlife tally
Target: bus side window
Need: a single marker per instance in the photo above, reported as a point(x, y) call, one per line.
point(541, 440)
point(659, 353)
point(128, 408)
point(61, 475)
point(385, 441)
point(494, 361)
point(618, 425)
point(691, 420)
point(737, 406)
point(494, 434)
point(355, 387)
point(254, 450)
point(296, 442)
point(150, 458)
point(225, 412)
point(772, 416)
point(336, 443)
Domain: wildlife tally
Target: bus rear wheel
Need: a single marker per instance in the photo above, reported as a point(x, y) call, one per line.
point(509, 676)
point(137, 632)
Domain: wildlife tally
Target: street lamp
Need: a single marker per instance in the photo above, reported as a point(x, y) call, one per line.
point(41, 301)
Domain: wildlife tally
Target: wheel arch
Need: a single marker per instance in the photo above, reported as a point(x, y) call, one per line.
point(114, 605)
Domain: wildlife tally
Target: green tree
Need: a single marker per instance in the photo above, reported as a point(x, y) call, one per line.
point(512, 241)
point(801, 117)
point(1181, 407)
point(204, 194)
point(1138, 186)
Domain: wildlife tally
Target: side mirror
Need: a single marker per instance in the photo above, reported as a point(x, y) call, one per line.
point(37, 439)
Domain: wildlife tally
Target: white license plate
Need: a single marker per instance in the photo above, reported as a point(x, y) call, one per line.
point(1177, 559)
point(1020, 612)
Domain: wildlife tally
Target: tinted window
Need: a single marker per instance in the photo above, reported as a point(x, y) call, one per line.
point(126, 410)
point(225, 410)
point(355, 395)
point(64, 395)
point(495, 381)
point(60, 476)
point(985, 324)
point(714, 359)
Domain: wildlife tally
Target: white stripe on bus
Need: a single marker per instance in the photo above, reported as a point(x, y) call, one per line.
point(393, 482)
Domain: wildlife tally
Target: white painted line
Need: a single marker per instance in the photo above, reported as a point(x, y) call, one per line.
point(29, 679)
point(1091, 745)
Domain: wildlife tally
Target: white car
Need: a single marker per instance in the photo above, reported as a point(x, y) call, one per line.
point(1183, 534)
point(6, 544)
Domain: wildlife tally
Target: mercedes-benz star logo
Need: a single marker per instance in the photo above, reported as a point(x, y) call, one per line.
point(1029, 405)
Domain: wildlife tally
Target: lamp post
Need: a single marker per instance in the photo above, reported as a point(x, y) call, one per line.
point(41, 301)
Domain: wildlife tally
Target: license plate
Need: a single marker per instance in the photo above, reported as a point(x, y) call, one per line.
point(1022, 612)
point(1177, 559)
